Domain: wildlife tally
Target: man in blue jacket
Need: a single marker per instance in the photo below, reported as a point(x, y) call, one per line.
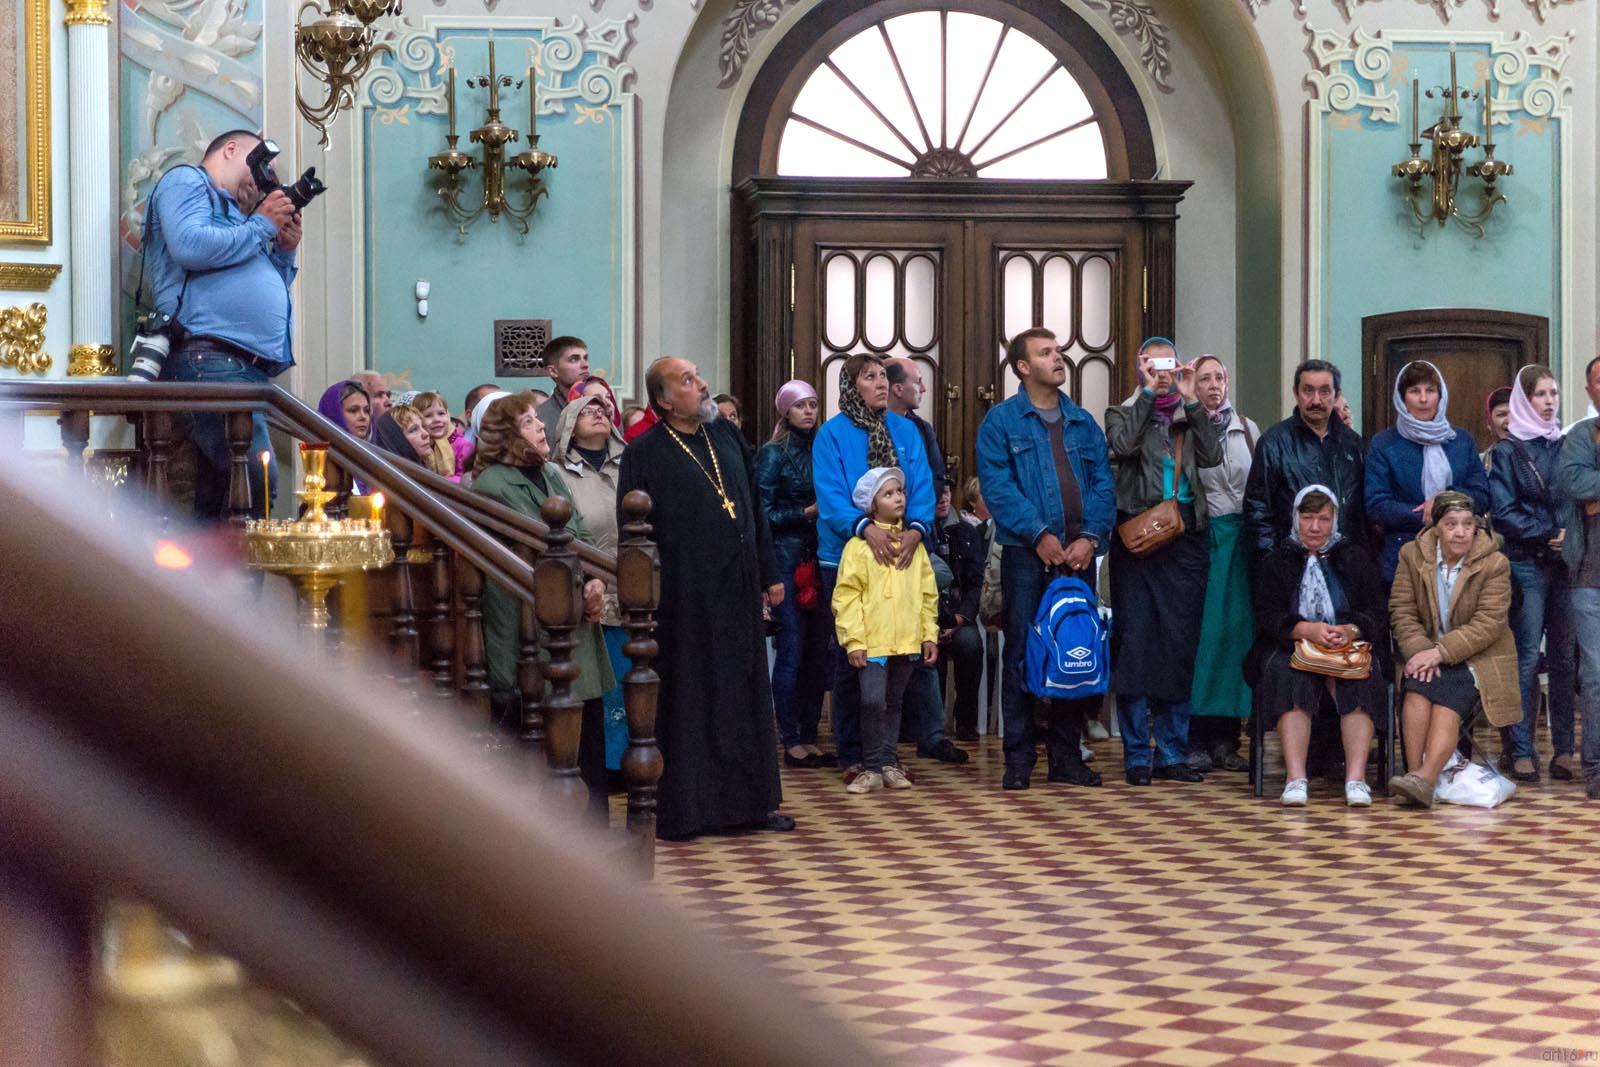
point(1046, 477)
point(865, 434)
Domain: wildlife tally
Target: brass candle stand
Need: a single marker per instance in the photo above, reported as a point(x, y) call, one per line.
point(1445, 167)
point(494, 136)
point(314, 551)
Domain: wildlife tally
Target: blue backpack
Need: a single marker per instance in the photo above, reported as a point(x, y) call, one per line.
point(1068, 653)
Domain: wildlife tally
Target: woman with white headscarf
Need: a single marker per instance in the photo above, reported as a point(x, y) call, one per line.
point(1418, 458)
point(1322, 587)
point(1527, 505)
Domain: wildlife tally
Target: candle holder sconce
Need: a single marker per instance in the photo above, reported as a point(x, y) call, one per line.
point(1445, 165)
point(494, 136)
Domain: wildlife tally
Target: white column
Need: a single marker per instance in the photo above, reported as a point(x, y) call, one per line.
point(92, 157)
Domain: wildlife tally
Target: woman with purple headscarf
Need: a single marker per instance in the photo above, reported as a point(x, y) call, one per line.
point(804, 619)
point(1525, 500)
point(347, 405)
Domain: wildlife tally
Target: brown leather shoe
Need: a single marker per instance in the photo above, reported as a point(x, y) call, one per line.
point(1412, 789)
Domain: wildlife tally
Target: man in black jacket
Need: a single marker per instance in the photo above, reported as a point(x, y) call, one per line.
point(963, 649)
point(1313, 446)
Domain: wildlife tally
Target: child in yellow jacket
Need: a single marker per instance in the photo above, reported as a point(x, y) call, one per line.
point(887, 621)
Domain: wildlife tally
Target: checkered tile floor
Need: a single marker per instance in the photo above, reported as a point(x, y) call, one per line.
point(1176, 924)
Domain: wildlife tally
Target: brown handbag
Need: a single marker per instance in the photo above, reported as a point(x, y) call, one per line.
point(1353, 663)
point(1155, 528)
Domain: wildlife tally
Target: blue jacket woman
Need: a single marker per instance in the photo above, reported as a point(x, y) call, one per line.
point(800, 661)
point(1420, 457)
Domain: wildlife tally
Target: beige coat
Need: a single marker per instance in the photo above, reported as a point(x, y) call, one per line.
point(593, 493)
point(1480, 633)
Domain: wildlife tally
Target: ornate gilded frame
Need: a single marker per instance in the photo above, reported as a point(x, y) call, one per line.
point(35, 229)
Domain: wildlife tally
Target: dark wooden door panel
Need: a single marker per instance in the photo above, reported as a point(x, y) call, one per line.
point(1477, 350)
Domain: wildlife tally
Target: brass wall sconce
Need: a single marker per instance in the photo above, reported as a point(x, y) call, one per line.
point(493, 135)
point(336, 47)
point(1450, 142)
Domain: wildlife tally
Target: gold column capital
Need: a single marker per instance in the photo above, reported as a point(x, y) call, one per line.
point(91, 361)
point(87, 13)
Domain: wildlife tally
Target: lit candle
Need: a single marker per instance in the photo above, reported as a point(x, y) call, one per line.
point(450, 96)
point(377, 511)
point(266, 485)
point(1416, 109)
point(533, 107)
point(1452, 72)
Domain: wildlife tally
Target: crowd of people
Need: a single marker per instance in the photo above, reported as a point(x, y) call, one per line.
point(1466, 575)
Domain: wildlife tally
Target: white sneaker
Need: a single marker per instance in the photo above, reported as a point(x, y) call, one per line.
point(1294, 793)
point(895, 778)
point(1085, 751)
point(1358, 794)
point(1097, 731)
point(865, 782)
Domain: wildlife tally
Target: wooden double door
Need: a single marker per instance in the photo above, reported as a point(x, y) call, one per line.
point(944, 272)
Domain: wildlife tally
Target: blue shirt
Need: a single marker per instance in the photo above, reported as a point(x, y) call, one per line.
point(238, 277)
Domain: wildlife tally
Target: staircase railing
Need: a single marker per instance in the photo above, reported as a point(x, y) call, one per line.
point(431, 623)
point(159, 741)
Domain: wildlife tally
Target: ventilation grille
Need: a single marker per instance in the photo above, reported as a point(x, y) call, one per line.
point(519, 347)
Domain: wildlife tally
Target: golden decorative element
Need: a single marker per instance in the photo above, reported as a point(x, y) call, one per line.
point(87, 13)
point(716, 483)
point(28, 277)
point(1450, 141)
point(91, 361)
point(35, 229)
point(336, 47)
point(494, 135)
point(22, 339)
point(164, 1003)
point(316, 551)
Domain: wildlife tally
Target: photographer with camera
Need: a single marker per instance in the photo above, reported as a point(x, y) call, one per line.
point(219, 246)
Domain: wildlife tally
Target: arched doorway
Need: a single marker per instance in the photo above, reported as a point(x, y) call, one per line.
point(926, 179)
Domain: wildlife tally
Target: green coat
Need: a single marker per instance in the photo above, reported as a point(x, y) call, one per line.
point(502, 611)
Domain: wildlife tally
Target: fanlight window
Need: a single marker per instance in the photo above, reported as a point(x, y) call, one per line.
point(942, 94)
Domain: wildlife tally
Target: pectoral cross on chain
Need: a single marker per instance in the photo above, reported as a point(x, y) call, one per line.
point(727, 505)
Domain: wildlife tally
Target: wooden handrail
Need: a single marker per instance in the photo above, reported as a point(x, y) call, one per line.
point(361, 861)
point(295, 417)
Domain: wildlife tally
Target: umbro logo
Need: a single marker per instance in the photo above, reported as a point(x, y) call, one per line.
point(1079, 653)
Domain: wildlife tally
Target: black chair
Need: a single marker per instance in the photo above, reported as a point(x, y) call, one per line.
point(1385, 731)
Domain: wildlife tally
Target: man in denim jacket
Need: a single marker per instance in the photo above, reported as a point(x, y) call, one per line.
point(1045, 474)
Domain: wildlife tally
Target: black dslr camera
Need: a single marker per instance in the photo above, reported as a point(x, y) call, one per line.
point(152, 345)
point(306, 189)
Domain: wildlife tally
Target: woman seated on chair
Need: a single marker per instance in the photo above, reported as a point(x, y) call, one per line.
point(1322, 588)
point(1452, 591)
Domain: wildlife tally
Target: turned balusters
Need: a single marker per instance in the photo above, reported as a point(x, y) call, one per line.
point(474, 669)
point(441, 625)
point(639, 594)
point(158, 471)
point(403, 644)
point(530, 672)
point(558, 600)
point(74, 438)
point(238, 430)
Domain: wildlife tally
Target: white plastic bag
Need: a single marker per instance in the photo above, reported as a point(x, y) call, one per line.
point(1472, 784)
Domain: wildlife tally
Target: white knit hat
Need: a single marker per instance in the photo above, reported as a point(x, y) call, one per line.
point(482, 409)
point(869, 484)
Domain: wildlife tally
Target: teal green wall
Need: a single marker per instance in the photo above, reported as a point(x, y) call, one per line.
point(575, 265)
point(1373, 259)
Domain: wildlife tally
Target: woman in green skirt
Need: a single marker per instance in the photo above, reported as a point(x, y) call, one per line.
point(1220, 701)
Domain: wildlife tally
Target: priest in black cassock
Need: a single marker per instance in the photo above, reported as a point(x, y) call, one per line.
point(715, 720)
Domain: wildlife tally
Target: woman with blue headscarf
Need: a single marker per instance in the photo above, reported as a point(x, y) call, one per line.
point(1418, 458)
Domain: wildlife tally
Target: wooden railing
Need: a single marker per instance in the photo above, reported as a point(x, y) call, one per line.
point(159, 741)
point(431, 622)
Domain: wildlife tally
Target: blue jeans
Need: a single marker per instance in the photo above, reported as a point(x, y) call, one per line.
point(1146, 720)
point(198, 359)
point(846, 687)
point(1586, 621)
point(924, 702)
point(1541, 607)
point(800, 666)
